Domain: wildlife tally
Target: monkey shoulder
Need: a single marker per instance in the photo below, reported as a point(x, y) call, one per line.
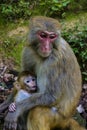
point(21, 95)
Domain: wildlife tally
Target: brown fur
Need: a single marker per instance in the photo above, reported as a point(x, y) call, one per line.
point(58, 80)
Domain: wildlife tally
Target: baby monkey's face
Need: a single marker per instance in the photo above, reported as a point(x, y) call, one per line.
point(30, 83)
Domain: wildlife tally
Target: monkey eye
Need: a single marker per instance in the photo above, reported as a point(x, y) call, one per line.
point(53, 36)
point(33, 79)
point(27, 81)
point(43, 35)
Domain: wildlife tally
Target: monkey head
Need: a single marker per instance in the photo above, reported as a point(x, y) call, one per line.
point(27, 81)
point(44, 34)
point(30, 83)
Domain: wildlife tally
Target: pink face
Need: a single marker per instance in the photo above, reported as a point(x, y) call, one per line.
point(46, 40)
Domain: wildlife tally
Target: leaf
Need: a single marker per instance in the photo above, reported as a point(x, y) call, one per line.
point(54, 8)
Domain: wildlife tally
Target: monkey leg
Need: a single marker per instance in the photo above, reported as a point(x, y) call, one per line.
point(39, 119)
point(74, 125)
point(42, 118)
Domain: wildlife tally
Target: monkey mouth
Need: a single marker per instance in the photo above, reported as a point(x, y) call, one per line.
point(34, 88)
point(44, 53)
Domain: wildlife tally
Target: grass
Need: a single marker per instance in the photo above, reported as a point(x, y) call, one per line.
point(12, 39)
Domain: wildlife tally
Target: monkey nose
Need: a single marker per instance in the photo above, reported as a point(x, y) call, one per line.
point(47, 46)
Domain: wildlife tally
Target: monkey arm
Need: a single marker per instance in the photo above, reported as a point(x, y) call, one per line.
point(38, 99)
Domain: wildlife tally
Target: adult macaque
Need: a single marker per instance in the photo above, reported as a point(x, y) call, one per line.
point(24, 87)
point(58, 74)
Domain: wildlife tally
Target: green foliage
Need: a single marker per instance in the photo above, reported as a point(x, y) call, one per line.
point(15, 10)
point(77, 5)
point(12, 47)
point(77, 38)
point(24, 8)
point(50, 7)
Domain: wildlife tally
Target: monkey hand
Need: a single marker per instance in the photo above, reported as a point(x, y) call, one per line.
point(12, 107)
point(10, 121)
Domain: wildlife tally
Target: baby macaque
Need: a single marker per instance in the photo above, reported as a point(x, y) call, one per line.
point(25, 86)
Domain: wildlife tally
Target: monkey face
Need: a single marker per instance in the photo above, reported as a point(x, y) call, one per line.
point(30, 83)
point(44, 33)
point(46, 40)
